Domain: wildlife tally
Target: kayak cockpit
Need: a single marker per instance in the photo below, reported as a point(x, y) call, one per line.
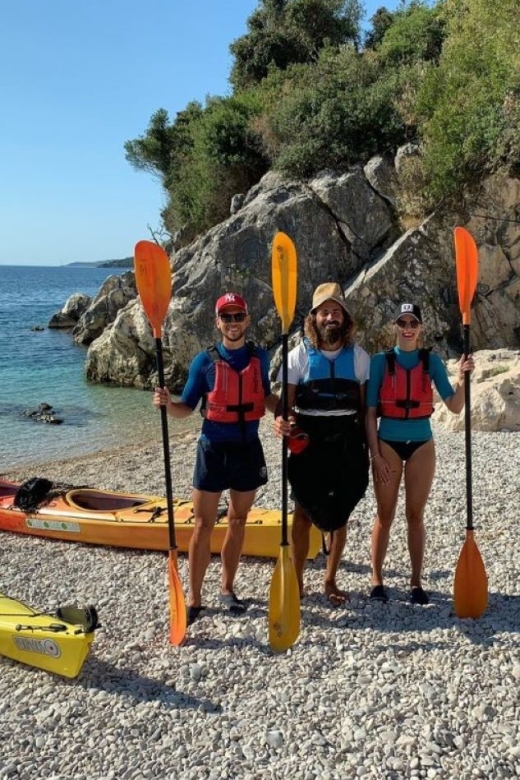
point(100, 501)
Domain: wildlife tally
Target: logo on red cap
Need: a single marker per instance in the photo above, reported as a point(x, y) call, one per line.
point(230, 299)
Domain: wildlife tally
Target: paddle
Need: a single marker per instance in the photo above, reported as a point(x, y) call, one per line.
point(284, 594)
point(154, 284)
point(470, 593)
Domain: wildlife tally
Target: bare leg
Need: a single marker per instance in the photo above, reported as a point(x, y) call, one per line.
point(300, 539)
point(334, 594)
point(418, 478)
point(386, 497)
point(205, 507)
point(239, 506)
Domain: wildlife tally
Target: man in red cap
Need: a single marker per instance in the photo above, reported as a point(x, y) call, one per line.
point(232, 381)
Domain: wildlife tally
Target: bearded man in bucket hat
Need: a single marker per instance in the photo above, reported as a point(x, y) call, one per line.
point(327, 373)
point(232, 381)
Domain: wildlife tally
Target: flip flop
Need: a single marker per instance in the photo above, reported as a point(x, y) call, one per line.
point(234, 606)
point(192, 614)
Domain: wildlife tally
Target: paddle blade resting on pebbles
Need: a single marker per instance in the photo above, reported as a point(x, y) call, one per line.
point(470, 587)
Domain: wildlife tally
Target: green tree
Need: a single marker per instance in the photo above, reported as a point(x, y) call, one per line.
point(380, 23)
point(283, 32)
point(334, 113)
point(469, 104)
point(415, 33)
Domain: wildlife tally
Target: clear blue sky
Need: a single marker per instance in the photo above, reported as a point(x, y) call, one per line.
point(78, 80)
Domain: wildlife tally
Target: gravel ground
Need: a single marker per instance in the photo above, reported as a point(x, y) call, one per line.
point(369, 690)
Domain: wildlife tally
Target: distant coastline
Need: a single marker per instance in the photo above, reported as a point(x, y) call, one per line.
point(125, 262)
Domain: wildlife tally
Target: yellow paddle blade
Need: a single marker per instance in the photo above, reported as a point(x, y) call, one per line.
point(178, 618)
point(153, 278)
point(284, 604)
point(284, 268)
point(470, 587)
point(466, 259)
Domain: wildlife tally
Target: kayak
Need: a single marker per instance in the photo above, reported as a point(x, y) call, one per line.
point(57, 642)
point(133, 520)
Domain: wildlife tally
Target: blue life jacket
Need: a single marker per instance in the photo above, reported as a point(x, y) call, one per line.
point(329, 384)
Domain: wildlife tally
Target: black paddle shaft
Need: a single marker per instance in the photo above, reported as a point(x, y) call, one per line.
point(285, 412)
point(166, 449)
point(467, 428)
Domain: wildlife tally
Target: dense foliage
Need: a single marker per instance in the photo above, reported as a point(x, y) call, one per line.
point(309, 93)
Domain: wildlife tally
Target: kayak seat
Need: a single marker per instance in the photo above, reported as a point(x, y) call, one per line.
point(98, 501)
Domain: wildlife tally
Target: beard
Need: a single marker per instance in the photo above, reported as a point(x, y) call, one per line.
point(332, 335)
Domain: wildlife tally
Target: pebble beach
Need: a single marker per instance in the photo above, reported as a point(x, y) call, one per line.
point(371, 690)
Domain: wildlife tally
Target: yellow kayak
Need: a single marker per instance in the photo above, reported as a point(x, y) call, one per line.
point(58, 642)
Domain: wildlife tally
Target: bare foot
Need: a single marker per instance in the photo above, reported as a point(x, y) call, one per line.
point(336, 596)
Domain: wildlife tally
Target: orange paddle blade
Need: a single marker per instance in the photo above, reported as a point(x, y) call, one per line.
point(466, 259)
point(284, 604)
point(470, 587)
point(284, 267)
point(178, 618)
point(154, 282)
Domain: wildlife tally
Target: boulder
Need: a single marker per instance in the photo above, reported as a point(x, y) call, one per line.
point(71, 312)
point(115, 293)
point(495, 393)
point(44, 414)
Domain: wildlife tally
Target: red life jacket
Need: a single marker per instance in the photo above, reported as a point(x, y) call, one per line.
point(406, 394)
point(237, 396)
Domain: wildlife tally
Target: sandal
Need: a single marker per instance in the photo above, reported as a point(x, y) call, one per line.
point(378, 593)
point(192, 614)
point(234, 606)
point(418, 596)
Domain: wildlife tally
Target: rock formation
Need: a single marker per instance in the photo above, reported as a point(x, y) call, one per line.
point(346, 228)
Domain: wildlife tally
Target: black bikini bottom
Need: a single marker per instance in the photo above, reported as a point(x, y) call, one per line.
point(405, 449)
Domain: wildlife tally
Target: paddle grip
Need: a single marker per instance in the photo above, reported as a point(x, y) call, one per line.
point(166, 449)
point(285, 413)
point(467, 430)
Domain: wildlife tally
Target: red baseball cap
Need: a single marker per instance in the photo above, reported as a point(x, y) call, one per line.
point(230, 299)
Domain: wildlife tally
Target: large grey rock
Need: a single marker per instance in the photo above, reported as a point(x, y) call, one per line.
point(381, 174)
point(343, 231)
point(495, 393)
point(115, 293)
point(74, 307)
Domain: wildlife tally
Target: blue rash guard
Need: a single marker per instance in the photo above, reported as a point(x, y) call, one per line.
point(406, 430)
point(201, 380)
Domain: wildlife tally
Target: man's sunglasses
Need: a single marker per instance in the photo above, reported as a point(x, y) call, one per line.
point(240, 317)
point(403, 324)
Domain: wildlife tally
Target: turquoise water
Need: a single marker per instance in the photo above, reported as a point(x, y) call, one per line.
point(46, 366)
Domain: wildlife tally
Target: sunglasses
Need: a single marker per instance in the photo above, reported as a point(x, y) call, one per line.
point(240, 317)
point(413, 324)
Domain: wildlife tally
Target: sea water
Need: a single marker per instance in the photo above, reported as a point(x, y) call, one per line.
point(46, 366)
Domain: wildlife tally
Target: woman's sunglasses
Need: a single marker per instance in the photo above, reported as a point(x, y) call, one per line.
point(240, 317)
point(403, 324)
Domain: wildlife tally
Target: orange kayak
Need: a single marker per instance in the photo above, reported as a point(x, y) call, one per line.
point(134, 521)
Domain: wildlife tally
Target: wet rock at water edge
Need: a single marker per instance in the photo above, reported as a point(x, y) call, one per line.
point(44, 413)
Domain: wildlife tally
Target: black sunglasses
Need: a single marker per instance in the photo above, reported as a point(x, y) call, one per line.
point(240, 317)
point(413, 324)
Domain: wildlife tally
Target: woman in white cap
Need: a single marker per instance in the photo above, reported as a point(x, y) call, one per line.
point(400, 391)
